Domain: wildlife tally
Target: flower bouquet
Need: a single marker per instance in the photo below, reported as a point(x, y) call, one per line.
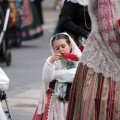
point(68, 60)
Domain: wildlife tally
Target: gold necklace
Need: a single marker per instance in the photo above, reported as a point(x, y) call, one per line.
point(85, 17)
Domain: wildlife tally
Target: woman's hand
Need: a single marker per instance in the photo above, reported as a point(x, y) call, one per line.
point(55, 57)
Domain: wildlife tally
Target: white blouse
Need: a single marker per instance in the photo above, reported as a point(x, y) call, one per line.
point(55, 71)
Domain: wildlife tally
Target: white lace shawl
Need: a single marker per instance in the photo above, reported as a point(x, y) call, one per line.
point(81, 2)
point(102, 50)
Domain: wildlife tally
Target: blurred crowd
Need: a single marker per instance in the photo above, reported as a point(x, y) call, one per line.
point(25, 19)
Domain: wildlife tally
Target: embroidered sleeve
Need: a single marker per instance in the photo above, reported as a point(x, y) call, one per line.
point(48, 73)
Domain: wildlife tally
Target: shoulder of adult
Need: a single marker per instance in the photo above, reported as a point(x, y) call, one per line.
point(81, 2)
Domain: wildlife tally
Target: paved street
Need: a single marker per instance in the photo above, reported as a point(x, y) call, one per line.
point(26, 69)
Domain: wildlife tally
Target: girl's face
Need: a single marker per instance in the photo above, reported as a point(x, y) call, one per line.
point(61, 46)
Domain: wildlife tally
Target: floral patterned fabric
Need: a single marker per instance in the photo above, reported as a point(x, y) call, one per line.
point(102, 49)
point(96, 86)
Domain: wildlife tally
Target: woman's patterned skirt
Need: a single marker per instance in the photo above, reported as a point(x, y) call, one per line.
point(93, 97)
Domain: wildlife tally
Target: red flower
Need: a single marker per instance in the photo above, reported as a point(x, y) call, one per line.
point(81, 48)
point(118, 21)
point(70, 56)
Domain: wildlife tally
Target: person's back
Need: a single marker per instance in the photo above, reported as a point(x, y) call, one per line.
point(74, 19)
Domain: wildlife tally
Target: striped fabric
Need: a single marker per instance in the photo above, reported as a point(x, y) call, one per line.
point(93, 97)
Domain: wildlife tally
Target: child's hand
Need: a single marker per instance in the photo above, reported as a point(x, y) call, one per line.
point(55, 57)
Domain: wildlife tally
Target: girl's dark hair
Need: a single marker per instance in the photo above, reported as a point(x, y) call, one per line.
point(61, 36)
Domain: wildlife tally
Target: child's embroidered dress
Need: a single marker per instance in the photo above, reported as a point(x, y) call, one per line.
point(53, 103)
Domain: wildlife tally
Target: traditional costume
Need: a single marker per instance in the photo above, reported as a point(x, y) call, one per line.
point(31, 26)
point(95, 93)
point(56, 87)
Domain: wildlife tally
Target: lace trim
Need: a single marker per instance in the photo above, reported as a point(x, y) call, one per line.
point(97, 56)
point(42, 101)
point(45, 116)
point(53, 109)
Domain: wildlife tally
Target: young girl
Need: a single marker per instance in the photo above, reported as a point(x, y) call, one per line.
point(58, 74)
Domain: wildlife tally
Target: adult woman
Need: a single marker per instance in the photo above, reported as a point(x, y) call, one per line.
point(74, 19)
point(95, 91)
